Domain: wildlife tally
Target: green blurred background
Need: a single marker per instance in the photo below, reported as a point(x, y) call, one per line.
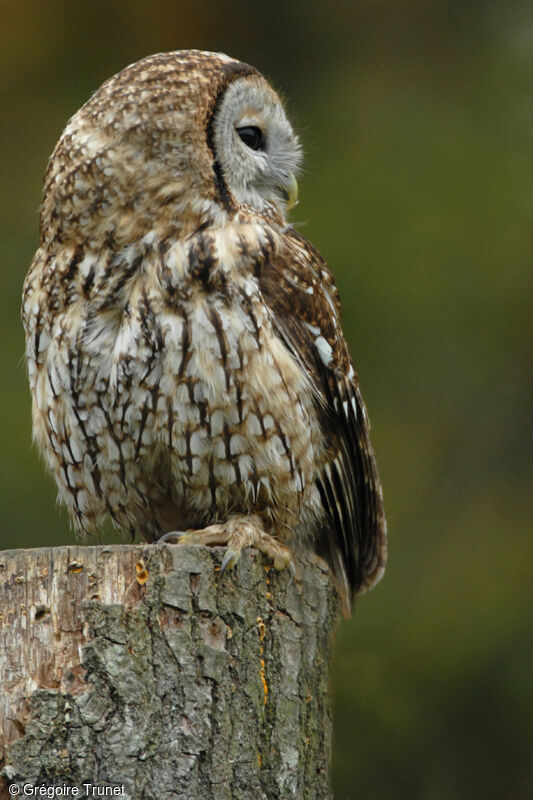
point(417, 123)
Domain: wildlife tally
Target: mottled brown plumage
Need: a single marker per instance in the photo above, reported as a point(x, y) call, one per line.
point(186, 359)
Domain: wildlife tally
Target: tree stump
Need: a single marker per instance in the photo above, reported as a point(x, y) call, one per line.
point(138, 671)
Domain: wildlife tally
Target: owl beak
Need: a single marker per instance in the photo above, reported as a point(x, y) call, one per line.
point(290, 190)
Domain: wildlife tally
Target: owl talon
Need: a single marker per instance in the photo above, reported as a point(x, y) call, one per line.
point(172, 537)
point(236, 534)
point(229, 561)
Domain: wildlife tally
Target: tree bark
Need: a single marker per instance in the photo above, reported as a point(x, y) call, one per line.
point(141, 668)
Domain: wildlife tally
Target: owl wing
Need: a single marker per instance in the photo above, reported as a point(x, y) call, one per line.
point(301, 295)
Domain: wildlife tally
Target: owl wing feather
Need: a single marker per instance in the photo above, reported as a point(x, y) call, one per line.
point(301, 295)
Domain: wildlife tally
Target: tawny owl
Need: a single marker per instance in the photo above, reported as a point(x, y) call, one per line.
point(186, 359)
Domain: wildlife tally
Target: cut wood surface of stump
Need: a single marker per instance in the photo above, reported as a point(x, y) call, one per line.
point(138, 669)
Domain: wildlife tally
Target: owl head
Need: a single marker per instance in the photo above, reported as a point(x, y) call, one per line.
point(177, 139)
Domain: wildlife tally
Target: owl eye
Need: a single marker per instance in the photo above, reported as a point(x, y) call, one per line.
point(252, 136)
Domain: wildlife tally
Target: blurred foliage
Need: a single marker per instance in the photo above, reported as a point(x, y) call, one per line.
point(417, 122)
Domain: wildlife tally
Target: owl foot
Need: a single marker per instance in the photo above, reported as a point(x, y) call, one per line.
point(236, 534)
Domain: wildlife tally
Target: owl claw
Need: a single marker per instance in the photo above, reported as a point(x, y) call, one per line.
point(229, 561)
point(236, 534)
point(172, 537)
